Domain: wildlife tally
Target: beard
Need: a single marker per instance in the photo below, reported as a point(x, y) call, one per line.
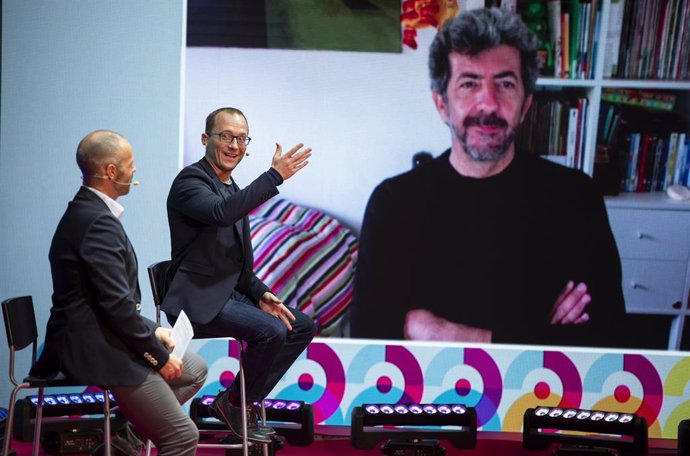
point(489, 148)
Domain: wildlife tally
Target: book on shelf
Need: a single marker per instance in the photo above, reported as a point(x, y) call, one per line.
point(654, 40)
point(681, 159)
point(650, 146)
point(554, 14)
point(671, 160)
point(568, 32)
point(565, 44)
point(629, 183)
point(585, 17)
point(659, 165)
point(575, 33)
point(613, 37)
point(571, 138)
point(595, 41)
point(582, 114)
point(554, 128)
point(643, 176)
point(609, 120)
point(644, 98)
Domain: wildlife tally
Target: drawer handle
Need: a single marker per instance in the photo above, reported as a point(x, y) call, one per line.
point(676, 305)
point(638, 286)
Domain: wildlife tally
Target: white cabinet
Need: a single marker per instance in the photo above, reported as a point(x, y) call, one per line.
point(653, 237)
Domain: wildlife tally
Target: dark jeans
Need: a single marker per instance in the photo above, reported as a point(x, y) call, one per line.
point(271, 348)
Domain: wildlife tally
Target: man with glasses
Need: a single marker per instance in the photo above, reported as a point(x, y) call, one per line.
point(211, 276)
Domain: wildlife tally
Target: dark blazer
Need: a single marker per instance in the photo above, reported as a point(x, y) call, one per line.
point(211, 245)
point(95, 333)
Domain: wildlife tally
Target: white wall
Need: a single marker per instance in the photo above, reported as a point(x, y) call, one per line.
point(70, 67)
point(364, 114)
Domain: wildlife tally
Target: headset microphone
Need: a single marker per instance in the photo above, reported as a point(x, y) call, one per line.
point(135, 183)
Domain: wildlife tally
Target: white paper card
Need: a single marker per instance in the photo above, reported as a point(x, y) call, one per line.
point(181, 334)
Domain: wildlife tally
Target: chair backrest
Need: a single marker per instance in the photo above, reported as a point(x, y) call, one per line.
point(20, 322)
point(20, 326)
point(157, 277)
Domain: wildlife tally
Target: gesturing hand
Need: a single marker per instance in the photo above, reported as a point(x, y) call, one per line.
point(569, 307)
point(294, 160)
point(271, 304)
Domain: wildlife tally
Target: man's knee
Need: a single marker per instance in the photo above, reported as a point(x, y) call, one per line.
point(305, 326)
point(275, 333)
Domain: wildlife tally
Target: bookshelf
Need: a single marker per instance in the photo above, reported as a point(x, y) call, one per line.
point(652, 231)
point(593, 87)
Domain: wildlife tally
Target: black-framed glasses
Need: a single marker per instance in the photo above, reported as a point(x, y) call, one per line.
point(227, 137)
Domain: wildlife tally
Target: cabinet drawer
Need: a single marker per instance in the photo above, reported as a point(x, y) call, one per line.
point(653, 286)
point(651, 234)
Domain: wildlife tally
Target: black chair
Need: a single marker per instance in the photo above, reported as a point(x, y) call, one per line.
point(157, 276)
point(20, 325)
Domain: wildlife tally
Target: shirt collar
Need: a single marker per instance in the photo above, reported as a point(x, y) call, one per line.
point(116, 208)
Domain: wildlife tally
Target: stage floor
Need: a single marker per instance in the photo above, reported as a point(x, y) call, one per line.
point(335, 440)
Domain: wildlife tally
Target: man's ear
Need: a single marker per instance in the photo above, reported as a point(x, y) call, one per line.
point(204, 138)
point(441, 107)
point(111, 171)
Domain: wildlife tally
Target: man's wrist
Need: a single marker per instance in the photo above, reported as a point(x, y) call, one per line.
point(275, 176)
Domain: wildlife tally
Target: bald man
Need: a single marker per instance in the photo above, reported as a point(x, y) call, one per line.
point(95, 334)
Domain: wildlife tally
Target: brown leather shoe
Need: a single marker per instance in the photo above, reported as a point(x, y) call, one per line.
point(232, 416)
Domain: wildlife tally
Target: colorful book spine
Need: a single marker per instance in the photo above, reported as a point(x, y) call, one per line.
point(642, 98)
point(554, 15)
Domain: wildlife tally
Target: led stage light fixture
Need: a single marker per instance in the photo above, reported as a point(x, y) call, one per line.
point(67, 412)
point(596, 429)
point(292, 419)
point(372, 423)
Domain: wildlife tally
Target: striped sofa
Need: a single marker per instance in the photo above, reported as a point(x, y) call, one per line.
point(308, 260)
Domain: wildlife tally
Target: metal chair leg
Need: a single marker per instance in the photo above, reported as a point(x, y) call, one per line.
point(243, 402)
point(263, 421)
point(35, 450)
point(106, 422)
point(10, 418)
point(243, 397)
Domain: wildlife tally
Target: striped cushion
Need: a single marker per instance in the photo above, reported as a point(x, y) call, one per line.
point(307, 258)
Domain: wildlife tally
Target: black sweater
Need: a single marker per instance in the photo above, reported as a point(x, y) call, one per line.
point(492, 253)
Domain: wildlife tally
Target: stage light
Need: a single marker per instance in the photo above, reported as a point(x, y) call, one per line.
point(294, 420)
point(76, 413)
point(372, 423)
point(64, 404)
point(684, 438)
point(625, 432)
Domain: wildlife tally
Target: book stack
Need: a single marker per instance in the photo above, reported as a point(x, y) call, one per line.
point(555, 127)
point(654, 40)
